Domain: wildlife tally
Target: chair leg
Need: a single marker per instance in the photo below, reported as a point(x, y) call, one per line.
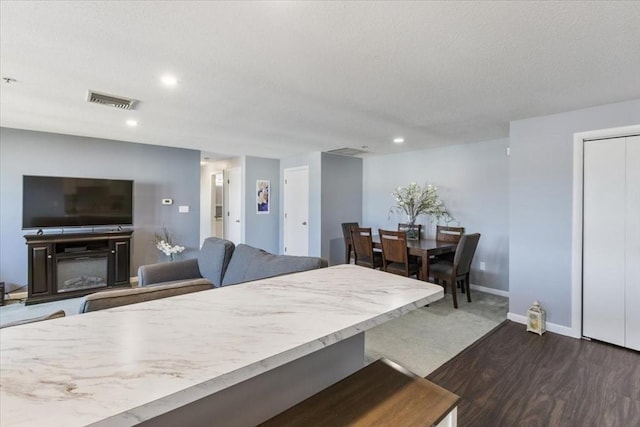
point(347, 254)
point(453, 285)
point(466, 284)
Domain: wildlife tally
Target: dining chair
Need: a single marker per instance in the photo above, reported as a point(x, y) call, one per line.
point(444, 233)
point(348, 243)
point(417, 228)
point(460, 268)
point(395, 255)
point(363, 248)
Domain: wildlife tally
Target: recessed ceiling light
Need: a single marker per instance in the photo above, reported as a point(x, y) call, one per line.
point(169, 80)
point(398, 140)
point(132, 123)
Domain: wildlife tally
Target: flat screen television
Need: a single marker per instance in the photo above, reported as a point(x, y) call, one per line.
point(52, 201)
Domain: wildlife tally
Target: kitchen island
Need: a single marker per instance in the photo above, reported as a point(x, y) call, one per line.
point(237, 355)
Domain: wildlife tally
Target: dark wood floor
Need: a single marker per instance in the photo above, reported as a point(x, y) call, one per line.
point(516, 378)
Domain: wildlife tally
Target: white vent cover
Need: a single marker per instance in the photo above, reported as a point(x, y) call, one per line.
point(347, 151)
point(110, 100)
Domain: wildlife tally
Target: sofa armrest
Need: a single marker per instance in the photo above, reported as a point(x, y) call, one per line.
point(119, 297)
point(168, 272)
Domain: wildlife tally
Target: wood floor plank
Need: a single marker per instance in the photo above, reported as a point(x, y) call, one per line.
point(512, 377)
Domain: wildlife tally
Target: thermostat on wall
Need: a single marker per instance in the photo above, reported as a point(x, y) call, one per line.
point(167, 201)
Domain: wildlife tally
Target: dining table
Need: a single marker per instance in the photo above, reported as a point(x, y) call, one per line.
point(423, 248)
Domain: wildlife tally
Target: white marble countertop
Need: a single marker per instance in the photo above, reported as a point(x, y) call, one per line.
point(135, 362)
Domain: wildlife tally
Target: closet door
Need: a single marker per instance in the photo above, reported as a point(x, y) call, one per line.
point(604, 213)
point(632, 279)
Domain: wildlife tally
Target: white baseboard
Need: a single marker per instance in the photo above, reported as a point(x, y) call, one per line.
point(489, 290)
point(551, 327)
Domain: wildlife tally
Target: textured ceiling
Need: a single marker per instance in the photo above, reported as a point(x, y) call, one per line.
point(275, 79)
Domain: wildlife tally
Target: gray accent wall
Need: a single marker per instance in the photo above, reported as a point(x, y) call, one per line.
point(473, 183)
point(541, 204)
point(341, 201)
point(158, 172)
point(262, 230)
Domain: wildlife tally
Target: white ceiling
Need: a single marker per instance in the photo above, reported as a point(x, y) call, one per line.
point(275, 79)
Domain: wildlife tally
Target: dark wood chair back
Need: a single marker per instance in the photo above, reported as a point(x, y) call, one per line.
point(363, 248)
point(406, 227)
point(395, 255)
point(348, 243)
point(445, 233)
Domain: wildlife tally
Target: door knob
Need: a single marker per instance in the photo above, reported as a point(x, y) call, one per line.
point(304, 223)
point(237, 220)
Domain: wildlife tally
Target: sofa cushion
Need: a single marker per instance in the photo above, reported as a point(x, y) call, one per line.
point(118, 297)
point(213, 259)
point(249, 263)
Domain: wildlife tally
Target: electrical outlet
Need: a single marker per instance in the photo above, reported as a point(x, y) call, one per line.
point(483, 266)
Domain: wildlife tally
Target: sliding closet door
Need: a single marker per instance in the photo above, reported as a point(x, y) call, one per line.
point(632, 295)
point(611, 241)
point(603, 260)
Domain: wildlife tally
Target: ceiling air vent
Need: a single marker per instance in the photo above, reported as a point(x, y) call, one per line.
point(110, 100)
point(347, 151)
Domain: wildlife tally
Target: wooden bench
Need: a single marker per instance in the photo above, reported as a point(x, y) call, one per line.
point(381, 394)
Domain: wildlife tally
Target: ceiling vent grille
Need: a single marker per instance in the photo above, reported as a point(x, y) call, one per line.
point(347, 151)
point(110, 100)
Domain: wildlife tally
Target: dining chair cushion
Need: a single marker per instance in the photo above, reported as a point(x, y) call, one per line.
point(377, 258)
point(398, 268)
point(441, 268)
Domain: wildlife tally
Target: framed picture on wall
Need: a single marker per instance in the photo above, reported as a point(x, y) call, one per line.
point(262, 190)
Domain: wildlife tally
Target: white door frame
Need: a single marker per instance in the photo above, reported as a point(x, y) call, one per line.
point(576, 244)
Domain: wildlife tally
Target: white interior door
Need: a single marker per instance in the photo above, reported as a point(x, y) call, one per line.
point(296, 211)
point(233, 217)
point(611, 241)
point(632, 279)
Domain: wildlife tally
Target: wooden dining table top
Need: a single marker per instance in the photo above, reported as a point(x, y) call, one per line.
point(424, 248)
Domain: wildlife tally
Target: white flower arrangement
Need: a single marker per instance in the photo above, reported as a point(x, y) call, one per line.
point(164, 243)
point(414, 200)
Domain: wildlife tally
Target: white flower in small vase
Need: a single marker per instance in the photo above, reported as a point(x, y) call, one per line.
point(414, 200)
point(164, 243)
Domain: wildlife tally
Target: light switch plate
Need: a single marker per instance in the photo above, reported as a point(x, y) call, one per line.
point(183, 209)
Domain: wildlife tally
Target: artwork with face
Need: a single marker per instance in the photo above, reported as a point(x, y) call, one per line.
point(262, 189)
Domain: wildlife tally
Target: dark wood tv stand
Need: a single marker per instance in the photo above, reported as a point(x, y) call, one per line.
point(76, 264)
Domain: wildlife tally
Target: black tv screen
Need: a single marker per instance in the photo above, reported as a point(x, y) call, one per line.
point(50, 201)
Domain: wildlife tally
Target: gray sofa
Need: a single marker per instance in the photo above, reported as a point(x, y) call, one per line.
point(219, 263)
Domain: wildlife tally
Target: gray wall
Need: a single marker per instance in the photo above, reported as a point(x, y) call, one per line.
point(262, 230)
point(473, 183)
point(158, 172)
point(341, 201)
point(313, 160)
point(540, 203)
